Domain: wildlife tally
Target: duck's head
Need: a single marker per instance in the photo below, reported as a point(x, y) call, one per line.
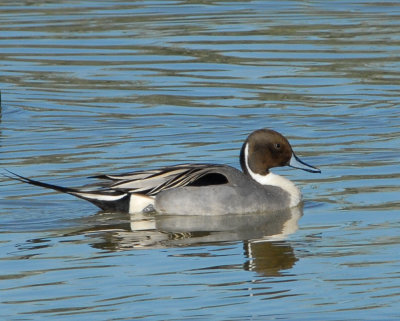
point(265, 149)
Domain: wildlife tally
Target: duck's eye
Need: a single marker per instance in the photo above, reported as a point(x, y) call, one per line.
point(277, 146)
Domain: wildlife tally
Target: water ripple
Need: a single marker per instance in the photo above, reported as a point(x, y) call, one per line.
point(91, 87)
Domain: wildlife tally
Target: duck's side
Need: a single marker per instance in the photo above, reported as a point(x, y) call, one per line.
point(241, 195)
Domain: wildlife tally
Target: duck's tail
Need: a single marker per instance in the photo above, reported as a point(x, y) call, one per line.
point(109, 200)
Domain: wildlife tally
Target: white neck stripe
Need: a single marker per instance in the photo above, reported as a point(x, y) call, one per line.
point(262, 179)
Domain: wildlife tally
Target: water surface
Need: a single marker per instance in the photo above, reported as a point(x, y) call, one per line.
point(90, 87)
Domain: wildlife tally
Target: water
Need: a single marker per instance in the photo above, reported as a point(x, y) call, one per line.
point(91, 87)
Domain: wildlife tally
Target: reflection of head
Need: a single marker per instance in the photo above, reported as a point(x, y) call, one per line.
point(269, 258)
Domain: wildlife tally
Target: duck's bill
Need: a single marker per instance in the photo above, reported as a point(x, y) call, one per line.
point(295, 162)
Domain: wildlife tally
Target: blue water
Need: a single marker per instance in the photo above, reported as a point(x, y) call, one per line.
point(105, 87)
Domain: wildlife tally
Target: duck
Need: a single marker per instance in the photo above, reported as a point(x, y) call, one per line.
point(201, 189)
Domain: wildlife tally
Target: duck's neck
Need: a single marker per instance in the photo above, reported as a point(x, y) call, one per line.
point(270, 178)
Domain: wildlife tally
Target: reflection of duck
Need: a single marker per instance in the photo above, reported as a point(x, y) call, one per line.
point(155, 231)
point(204, 189)
point(263, 235)
point(232, 227)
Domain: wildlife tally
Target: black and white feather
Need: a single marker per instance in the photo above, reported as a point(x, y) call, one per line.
point(113, 192)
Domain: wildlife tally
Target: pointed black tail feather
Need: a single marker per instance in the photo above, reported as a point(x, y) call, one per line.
point(110, 201)
point(38, 183)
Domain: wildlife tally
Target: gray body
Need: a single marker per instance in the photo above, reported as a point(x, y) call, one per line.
point(241, 195)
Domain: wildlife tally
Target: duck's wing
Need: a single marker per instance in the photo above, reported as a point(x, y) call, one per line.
point(114, 193)
point(151, 182)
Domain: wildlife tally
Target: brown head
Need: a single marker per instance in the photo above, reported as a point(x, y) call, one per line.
point(265, 149)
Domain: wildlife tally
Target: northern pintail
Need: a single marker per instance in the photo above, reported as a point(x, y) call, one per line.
point(202, 189)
